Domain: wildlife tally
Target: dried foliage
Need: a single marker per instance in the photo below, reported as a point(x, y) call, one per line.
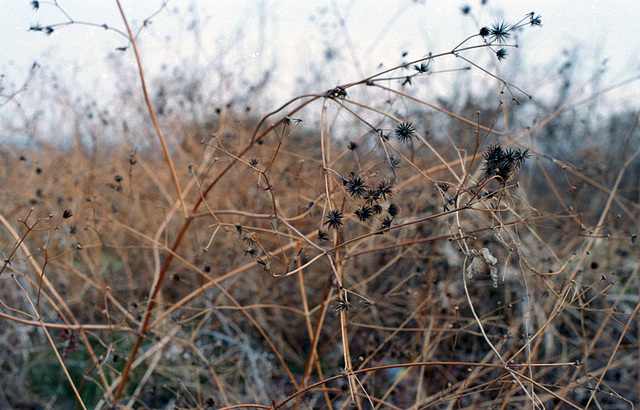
point(314, 272)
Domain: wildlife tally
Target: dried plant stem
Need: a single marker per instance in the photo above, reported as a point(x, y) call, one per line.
point(57, 301)
point(160, 276)
point(71, 327)
point(64, 368)
point(358, 201)
point(53, 346)
point(152, 366)
point(165, 148)
point(514, 375)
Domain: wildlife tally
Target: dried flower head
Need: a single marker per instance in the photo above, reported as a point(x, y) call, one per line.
point(67, 214)
point(386, 223)
point(535, 20)
point(503, 163)
point(499, 32)
point(323, 235)
point(356, 303)
point(371, 197)
point(252, 252)
point(393, 210)
point(384, 189)
point(355, 186)
point(518, 157)
point(364, 213)
point(266, 265)
point(339, 305)
point(405, 132)
point(249, 239)
point(394, 163)
point(422, 68)
point(334, 219)
point(337, 92)
point(253, 162)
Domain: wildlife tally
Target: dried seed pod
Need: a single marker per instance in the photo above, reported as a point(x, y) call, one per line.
point(482, 263)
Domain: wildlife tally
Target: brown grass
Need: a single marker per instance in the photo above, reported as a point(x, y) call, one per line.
point(240, 305)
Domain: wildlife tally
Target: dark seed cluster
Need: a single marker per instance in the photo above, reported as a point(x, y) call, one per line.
point(405, 132)
point(355, 186)
point(334, 219)
point(502, 163)
point(369, 198)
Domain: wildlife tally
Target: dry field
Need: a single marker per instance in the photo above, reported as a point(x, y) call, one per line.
point(429, 257)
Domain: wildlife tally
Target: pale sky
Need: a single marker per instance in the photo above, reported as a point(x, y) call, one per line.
point(249, 36)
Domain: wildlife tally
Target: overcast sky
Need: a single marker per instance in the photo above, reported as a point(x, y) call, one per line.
point(292, 36)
